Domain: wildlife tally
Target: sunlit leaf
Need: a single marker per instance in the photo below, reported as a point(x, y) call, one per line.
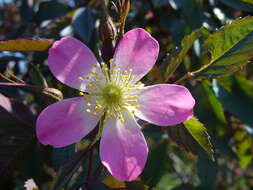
point(177, 55)
point(113, 183)
point(247, 1)
point(244, 144)
point(231, 47)
point(199, 133)
point(168, 180)
point(25, 45)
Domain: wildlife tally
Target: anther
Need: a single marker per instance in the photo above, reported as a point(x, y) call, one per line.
point(80, 78)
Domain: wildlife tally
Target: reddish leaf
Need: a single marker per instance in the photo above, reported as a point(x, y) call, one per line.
point(25, 45)
point(18, 110)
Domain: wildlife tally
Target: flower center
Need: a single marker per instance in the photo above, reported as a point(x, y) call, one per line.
point(112, 94)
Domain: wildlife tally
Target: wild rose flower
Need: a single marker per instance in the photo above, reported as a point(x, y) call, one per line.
point(113, 91)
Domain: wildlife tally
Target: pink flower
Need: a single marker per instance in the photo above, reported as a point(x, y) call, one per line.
point(30, 185)
point(115, 92)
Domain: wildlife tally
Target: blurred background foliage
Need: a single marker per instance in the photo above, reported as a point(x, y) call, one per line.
point(206, 45)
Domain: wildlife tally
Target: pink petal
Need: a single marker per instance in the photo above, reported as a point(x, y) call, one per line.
point(137, 50)
point(70, 59)
point(65, 122)
point(123, 149)
point(30, 184)
point(165, 104)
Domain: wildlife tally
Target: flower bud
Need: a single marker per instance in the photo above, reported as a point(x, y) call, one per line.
point(107, 30)
point(52, 95)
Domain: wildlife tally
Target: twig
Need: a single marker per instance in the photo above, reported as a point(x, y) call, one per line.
point(6, 78)
point(191, 74)
point(15, 77)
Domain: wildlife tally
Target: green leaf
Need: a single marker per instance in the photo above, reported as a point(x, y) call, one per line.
point(231, 47)
point(215, 120)
point(177, 55)
point(207, 172)
point(244, 148)
point(113, 183)
point(25, 45)
point(244, 89)
point(214, 102)
point(234, 104)
point(244, 5)
point(36, 76)
point(199, 133)
point(168, 181)
point(247, 1)
point(180, 135)
point(192, 137)
point(208, 103)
